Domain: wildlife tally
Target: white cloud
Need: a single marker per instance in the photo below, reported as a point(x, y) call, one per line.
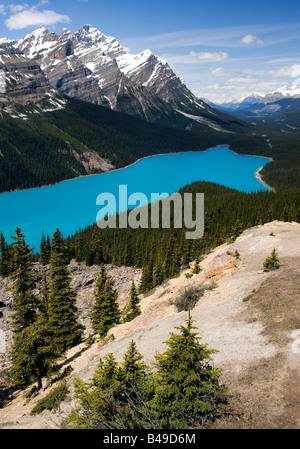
point(250, 39)
point(17, 8)
point(34, 17)
point(219, 71)
point(292, 71)
point(206, 56)
point(237, 87)
point(2, 9)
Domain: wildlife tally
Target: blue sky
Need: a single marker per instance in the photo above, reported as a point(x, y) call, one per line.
point(222, 49)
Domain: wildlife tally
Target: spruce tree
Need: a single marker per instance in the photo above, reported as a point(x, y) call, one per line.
point(62, 311)
point(33, 355)
point(4, 257)
point(94, 254)
point(272, 262)
point(105, 313)
point(158, 272)
point(188, 392)
point(79, 252)
point(24, 301)
point(45, 250)
point(133, 308)
point(44, 298)
point(133, 367)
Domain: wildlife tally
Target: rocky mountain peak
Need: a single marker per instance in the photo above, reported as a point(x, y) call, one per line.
point(93, 67)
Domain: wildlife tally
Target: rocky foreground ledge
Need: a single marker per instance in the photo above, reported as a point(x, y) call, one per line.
point(250, 316)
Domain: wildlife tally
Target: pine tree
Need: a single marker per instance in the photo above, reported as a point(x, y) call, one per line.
point(272, 262)
point(146, 279)
point(62, 310)
point(4, 257)
point(45, 250)
point(133, 368)
point(79, 252)
point(24, 301)
point(133, 309)
point(95, 252)
point(105, 313)
point(158, 272)
point(188, 392)
point(44, 298)
point(33, 355)
point(116, 398)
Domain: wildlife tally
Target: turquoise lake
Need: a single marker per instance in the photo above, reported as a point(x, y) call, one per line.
point(71, 205)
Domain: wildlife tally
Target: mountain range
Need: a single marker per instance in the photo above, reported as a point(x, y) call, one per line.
point(284, 99)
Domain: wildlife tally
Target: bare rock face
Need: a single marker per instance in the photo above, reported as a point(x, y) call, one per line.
point(24, 84)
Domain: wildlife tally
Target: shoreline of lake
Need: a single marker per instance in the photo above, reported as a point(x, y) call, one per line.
point(257, 173)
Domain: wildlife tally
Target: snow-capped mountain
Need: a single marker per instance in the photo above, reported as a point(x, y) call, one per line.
point(238, 104)
point(93, 67)
point(291, 90)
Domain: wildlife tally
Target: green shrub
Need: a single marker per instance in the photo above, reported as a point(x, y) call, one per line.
point(52, 400)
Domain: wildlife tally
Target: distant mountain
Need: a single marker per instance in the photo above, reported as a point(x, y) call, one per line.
point(236, 105)
point(284, 100)
point(291, 90)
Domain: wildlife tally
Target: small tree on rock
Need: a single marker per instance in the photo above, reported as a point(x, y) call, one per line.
point(272, 262)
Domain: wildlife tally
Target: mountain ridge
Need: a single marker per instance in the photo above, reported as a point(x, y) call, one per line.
point(95, 68)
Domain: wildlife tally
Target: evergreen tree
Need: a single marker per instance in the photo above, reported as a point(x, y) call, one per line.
point(62, 310)
point(133, 367)
point(95, 252)
point(105, 313)
point(33, 355)
point(272, 262)
point(158, 273)
point(188, 392)
point(79, 247)
point(133, 308)
point(24, 301)
point(45, 250)
point(44, 298)
point(4, 257)
point(116, 398)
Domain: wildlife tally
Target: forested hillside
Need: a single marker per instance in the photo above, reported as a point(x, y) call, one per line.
point(49, 147)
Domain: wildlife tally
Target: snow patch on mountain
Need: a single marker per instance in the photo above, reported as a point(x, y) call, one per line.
point(130, 63)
